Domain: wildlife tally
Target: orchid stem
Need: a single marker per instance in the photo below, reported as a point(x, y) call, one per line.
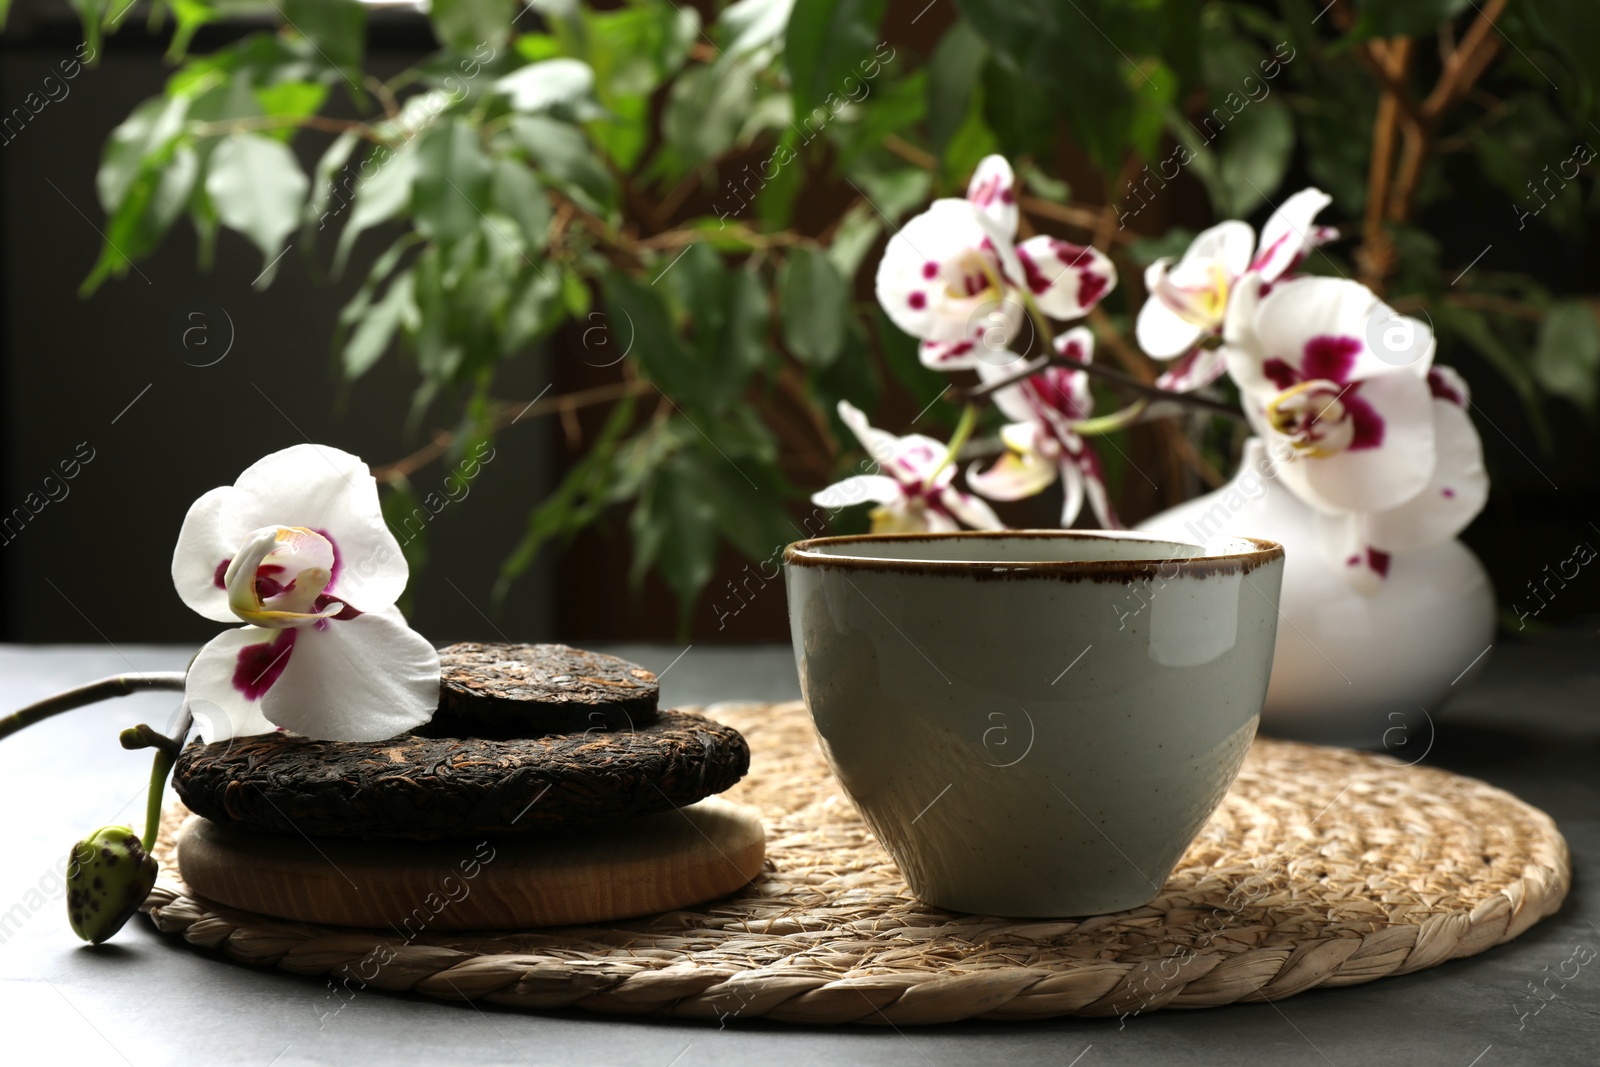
point(166, 756)
point(964, 428)
point(1110, 374)
point(1036, 313)
point(119, 685)
point(1117, 420)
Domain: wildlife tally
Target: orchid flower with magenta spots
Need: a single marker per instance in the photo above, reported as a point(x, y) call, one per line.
point(297, 549)
point(1042, 444)
point(954, 276)
point(915, 491)
point(1189, 299)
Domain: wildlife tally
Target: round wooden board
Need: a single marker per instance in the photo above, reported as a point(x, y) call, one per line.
point(654, 863)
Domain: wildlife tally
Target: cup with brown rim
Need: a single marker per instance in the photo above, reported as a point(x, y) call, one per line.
point(1034, 723)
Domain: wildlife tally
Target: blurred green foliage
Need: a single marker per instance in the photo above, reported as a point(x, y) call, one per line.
point(532, 173)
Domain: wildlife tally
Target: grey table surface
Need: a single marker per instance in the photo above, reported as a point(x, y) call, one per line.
point(1531, 724)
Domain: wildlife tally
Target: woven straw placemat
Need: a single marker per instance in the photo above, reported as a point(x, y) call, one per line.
point(1322, 867)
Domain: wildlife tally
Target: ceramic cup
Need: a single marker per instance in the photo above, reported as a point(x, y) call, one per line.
point(1034, 723)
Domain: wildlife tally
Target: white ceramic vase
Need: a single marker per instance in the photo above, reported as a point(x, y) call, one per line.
point(1368, 671)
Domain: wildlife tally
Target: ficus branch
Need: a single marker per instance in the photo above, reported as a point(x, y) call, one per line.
point(508, 414)
point(119, 685)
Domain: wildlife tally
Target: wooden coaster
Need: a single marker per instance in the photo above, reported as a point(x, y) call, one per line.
point(654, 863)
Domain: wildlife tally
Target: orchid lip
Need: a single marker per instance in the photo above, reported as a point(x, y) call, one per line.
point(278, 577)
point(1312, 415)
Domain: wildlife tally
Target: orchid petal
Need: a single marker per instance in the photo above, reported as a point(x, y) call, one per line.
point(1227, 244)
point(1065, 279)
point(221, 709)
point(1290, 233)
point(1161, 332)
point(994, 190)
point(993, 328)
point(969, 509)
point(363, 679)
point(1446, 384)
point(918, 458)
point(1196, 369)
point(1072, 492)
point(1014, 476)
point(1315, 327)
point(1344, 538)
point(879, 444)
point(1087, 462)
point(1009, 400)
point(332, 492)
point(942, 274)
point(1452, 498)
point(201, 557)
point(1383, 475)
point(858, 489)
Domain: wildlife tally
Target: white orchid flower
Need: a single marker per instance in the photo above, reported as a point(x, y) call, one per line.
point(916, 494)
point(1366, 543)
point(954, 277)
point(1347, 417)
point(1189, 300)
point(297, 549)
point(1041, 443)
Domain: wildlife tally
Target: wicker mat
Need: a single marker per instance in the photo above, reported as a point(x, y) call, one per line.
point(1323, 867)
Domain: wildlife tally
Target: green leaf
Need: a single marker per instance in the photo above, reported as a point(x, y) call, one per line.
point(1253, 157)
point(451, 188)
point(706, 107)
point(383, 191)
point(576, 502)
point(324, 190)
point(561, 151)
point(146, 132)
point(337, 29)
point(258, 189)
point(465, 24)
point(1407, 18)
point(930, 390)
point(1097, 61)
point(561, 83)
point(638, 311)
point(824, 46)
point(516, 194)
point(749, 27)
point(1476, 329)
point(1567, 361)
point(954, 70)
point(853, 376)
point(853, 238)
point(1019, 112)
point(290, 99)
point(815, 304)
point(968, 145)
point(744, 496)
point(147, 210)
point(377, 327)
point(674, 529)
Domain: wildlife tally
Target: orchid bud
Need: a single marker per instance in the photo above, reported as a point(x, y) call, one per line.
point(109, 877)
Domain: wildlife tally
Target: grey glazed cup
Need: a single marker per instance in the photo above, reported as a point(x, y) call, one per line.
point(1034, 723)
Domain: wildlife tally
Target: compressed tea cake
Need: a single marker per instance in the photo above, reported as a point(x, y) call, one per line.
point(502, 688)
